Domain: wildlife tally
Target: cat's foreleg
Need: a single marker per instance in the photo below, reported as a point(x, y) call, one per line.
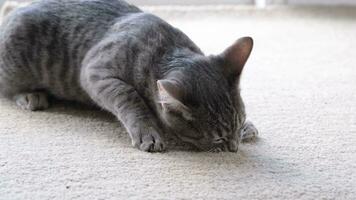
point(123, 101)
point(248, 132)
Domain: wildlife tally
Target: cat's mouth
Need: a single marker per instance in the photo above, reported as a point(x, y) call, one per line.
point(227, 146)
point(216, 150)
point(230, 146)
point(216, 146)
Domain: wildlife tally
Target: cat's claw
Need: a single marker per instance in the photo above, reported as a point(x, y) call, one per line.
point(152, 146)
point(32, 101)
point(149, 142)
point(248, 132)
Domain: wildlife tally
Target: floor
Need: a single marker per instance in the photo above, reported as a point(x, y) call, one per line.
point(300, 90)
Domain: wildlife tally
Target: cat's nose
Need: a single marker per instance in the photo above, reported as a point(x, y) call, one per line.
point(233, 146)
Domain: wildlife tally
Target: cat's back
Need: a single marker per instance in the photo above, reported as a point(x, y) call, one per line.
point(79, 8)
point(62, 25)
point(68, 13)
point(43, 44)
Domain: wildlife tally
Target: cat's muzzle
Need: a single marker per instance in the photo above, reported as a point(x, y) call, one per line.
point(231, 146)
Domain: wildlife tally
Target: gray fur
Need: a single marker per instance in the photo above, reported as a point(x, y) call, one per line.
point(133, 64)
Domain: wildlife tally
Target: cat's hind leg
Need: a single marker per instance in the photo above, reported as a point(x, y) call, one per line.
point(32, 101)
point(248, 132)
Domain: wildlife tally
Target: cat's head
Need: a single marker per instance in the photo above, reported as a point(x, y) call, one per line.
point(201, 101)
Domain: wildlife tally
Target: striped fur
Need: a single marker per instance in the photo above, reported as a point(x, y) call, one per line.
point(111, 54)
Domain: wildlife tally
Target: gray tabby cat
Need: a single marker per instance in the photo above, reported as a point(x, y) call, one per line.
point(133, 64)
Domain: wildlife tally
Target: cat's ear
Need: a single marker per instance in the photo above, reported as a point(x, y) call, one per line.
point(235, 57)
point(171, 96)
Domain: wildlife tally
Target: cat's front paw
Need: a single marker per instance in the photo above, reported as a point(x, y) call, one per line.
point(148, 140)
point(32, 101)
point(248, 132)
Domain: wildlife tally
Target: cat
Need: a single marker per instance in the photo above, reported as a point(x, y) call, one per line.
point(9, 6)
point(147, 73)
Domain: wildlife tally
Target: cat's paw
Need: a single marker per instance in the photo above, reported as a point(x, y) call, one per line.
point(248, 132)
point(32, 101)
point(149, 140)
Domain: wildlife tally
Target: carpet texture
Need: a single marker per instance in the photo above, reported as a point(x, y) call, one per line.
point(300, 91)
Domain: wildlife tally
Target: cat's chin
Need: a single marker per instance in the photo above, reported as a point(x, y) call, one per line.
point(230, 146)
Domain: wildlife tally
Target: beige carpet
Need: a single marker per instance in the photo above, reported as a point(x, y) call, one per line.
point(300, 90)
